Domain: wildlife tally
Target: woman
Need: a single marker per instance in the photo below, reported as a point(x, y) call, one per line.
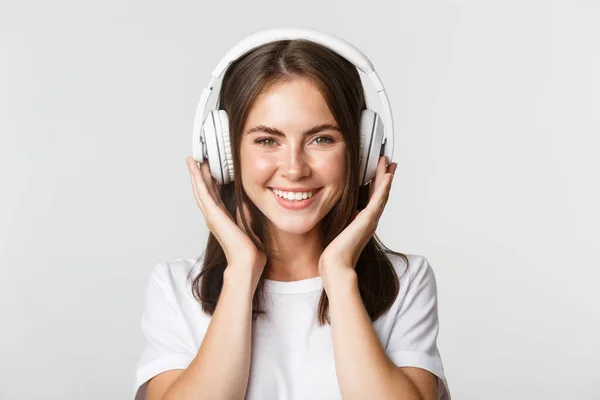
point(310, 304)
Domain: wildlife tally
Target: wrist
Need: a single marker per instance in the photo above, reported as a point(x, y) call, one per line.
point(338, 279)
point(240, 281)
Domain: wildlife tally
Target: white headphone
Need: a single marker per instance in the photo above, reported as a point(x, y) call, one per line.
point(210, 138)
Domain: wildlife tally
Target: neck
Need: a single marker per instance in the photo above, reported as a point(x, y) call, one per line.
point(296, 255)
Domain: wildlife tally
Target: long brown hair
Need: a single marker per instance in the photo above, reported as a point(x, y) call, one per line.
point(339, 82)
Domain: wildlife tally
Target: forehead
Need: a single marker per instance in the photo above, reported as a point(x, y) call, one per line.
point(293, 103)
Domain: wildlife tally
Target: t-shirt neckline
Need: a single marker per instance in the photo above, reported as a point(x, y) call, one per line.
point(301, 286)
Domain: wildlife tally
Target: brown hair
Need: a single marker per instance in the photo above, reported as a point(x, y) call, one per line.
point(339, 82)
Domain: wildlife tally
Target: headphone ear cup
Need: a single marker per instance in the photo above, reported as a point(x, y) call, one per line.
point(371, 140)
point(226, 156)
point(214, 145)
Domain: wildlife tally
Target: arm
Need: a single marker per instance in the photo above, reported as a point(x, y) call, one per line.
point(221, 367)
point(363, 369)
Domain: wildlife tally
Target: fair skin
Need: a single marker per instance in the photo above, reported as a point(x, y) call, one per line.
point(292, 159)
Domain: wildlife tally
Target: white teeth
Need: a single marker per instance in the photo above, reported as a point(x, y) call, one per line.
point(293, 195)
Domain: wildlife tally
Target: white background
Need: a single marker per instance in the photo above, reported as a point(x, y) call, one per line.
point(497, 110)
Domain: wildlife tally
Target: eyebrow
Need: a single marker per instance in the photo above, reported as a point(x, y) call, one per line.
point(277, 132)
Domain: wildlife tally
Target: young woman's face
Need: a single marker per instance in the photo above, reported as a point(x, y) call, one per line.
point(291, 147)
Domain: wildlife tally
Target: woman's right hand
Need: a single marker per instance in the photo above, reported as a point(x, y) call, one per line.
point(242, 255)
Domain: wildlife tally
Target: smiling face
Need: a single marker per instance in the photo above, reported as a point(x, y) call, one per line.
point(291, 147)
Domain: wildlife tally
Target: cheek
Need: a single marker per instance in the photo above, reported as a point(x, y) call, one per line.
point(331, 166)
point(257, 168)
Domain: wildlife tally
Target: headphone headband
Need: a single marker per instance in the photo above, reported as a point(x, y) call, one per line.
point(338, 45)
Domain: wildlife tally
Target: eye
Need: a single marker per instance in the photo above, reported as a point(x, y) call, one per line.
point(265, 141)
point(269, 142)
point(326, 140)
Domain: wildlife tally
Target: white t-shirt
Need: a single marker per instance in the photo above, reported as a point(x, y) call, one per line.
point(292, 357)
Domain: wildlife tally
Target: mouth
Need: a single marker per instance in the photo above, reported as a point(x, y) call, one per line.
point(295, 200)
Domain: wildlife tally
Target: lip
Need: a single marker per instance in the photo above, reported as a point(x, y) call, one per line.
point(294, 189)
point(295, 204)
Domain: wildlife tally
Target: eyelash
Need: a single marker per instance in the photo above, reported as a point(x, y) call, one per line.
point(262, 140)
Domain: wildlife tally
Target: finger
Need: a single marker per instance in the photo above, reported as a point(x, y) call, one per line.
point(201, 190)
point(375, 181)
point(392, 168)
point(380, 196)
point(210, 183)
point(385, 193)
point(191, 163)
point(381, 169)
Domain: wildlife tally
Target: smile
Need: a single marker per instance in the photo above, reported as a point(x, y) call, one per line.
point(295, 200)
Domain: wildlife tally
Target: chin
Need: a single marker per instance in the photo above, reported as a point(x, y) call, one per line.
point(291, 225)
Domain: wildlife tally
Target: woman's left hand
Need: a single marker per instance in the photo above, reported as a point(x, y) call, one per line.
point(343, 252)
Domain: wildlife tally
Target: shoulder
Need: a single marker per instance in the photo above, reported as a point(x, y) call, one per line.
point(418, 287)
point(410, 328)
point(175, 275)
point(170, 287)
point(172, 322)
point(414, 267)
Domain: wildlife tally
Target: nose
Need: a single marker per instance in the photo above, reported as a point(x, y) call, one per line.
point(295, 163)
